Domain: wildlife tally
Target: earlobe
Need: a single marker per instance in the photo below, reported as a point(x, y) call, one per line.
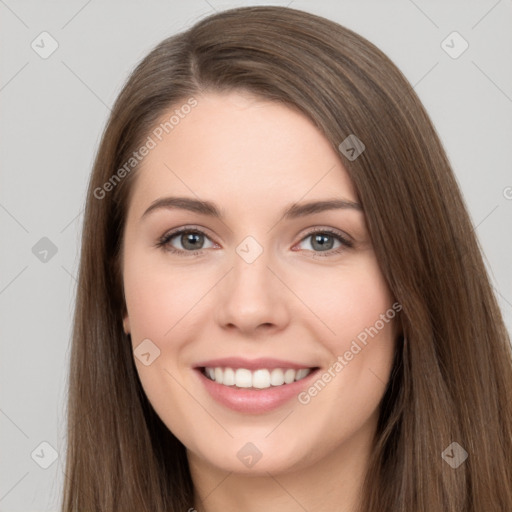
point(126, 324)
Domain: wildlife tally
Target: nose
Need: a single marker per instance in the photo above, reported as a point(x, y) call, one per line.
point(252, 298)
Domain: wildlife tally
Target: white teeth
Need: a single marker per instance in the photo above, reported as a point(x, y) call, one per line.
point(289, 376)
point(277, 377)
point(228, 378)
point(243, 378)
point(259, 379)
point(303, 372)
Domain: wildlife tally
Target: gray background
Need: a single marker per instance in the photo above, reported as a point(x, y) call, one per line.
point(53, 114)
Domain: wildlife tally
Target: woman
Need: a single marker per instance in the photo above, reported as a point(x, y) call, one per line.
point(282, 303)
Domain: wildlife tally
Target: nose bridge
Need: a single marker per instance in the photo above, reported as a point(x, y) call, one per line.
point(251, 293)
point(251, 277)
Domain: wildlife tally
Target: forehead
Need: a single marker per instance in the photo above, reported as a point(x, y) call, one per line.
point(241, 150)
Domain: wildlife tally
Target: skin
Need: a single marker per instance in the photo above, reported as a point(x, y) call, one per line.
point(253, 158)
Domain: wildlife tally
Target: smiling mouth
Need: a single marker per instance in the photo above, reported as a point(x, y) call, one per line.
point(258, 379)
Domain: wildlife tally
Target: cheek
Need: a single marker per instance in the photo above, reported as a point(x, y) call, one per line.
point(160, 302)
point(349, 300)
point(356, 305)
point(158, 296)
point(147, 308)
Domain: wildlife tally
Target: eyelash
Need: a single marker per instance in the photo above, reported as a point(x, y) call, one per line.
point(163, 242)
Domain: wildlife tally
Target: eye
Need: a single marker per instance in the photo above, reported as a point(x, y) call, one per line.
point(187, 239)
point(190, 242)
point(323, 240)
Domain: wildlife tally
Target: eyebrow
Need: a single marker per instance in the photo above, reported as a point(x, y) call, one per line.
point(292, 211)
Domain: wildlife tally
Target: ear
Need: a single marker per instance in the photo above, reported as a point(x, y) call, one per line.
point(126, 324)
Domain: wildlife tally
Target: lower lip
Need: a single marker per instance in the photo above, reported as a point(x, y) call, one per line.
point(254, 401)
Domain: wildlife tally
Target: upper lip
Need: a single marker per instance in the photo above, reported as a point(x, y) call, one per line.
point(252, 364)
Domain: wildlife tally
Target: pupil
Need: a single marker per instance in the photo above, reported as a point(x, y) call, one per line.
point(190, 238)
point(320, 239)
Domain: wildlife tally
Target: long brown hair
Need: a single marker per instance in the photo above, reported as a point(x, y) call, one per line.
point(452, 377)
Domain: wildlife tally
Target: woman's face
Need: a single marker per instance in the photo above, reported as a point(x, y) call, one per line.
point(301, 290)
